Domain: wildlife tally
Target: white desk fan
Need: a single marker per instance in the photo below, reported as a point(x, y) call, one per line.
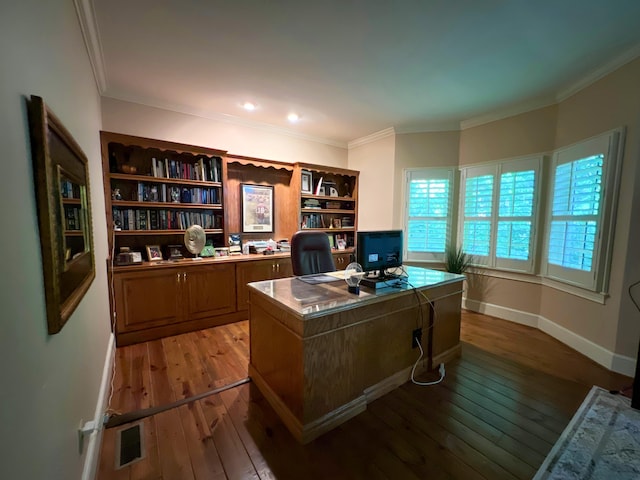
point(194, 239)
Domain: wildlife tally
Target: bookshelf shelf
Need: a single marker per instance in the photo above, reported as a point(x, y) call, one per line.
point(152, 179)
point(179, 206)
point(123, 233)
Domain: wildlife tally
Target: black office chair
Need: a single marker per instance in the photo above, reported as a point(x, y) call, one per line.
point(311, 253)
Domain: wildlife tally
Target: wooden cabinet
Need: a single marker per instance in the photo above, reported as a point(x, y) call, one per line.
point(342, 259)
point(155, 190)
point(329, 202)
point(258, 270)
point(156, 302)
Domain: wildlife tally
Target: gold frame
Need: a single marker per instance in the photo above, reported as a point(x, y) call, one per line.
point(57, 159)
point(157, 250)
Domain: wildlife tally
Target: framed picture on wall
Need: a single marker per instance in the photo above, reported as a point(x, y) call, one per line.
point(257, 208)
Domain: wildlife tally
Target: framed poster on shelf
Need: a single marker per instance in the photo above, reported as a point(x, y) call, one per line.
point(257, 208)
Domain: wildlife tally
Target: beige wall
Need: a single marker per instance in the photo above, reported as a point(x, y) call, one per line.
point(144, 121)
point(612, 102)
point(413, 150)
point(375, 161)
point(49, 383)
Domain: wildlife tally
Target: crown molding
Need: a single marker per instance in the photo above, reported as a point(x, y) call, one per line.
point(601, 72)
point(371, 138)
point(449, 126)
point(89, 28)
point(507, 112)
point(225, 118)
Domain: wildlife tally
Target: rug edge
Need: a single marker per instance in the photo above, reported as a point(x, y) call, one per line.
point(542, 470)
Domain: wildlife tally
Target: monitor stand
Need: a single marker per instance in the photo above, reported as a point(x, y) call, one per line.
point(382, 281)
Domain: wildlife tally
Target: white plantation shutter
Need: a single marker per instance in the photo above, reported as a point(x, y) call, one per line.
point(478, 204)
point(582, 197)
point(499, 204)
point(576, 206)
point(429, 216)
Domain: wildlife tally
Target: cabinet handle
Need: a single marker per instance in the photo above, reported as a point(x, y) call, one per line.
point(178, 275)
point(278, 268)
point(184, 276)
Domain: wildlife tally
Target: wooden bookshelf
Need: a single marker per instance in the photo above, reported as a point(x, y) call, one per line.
point(328, 202)
point(155, 190)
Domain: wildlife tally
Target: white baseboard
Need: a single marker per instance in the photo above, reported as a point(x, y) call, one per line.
point(608, 359)
point(95, 438)
point(516, 316)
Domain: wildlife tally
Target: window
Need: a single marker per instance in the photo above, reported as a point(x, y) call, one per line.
point(582, 198)
point(499, 213)
point(428, 219)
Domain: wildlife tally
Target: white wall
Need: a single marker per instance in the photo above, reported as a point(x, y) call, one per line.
point(375, 161)
point(49, 383)
point(143, 121)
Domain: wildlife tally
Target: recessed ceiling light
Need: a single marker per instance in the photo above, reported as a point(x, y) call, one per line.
point(293, 117)
point(249, 106)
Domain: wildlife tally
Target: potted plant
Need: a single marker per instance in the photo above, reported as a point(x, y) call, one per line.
point(457, 261)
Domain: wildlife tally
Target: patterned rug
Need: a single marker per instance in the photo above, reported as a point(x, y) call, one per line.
point(601, 442)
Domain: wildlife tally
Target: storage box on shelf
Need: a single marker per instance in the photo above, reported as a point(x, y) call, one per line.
point(155, 190)
point(329, 202)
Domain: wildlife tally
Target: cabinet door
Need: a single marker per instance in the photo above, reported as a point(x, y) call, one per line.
point(341, 260)
point(208, 290)
point(146, 299)
point(253, 271)
point(283, 268)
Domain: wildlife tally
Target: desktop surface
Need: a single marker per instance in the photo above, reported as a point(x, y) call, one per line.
point(310, 297)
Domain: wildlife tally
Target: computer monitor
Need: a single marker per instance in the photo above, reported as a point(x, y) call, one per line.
point(379, 250)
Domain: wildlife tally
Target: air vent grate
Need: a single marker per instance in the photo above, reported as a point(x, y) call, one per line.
point(129, 445)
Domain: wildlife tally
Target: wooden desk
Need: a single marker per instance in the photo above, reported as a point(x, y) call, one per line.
point(319, 354)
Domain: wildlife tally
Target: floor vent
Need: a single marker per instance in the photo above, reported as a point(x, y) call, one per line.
point(129, 445)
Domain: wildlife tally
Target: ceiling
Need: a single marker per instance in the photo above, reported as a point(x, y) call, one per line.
point(354, 68)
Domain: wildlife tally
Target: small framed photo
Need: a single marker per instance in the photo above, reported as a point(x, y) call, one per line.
point(175, 252)
point(153, 253)
point(337, 223)
point(307, 182)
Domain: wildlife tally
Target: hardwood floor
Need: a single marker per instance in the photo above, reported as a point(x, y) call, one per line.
point(496, 415)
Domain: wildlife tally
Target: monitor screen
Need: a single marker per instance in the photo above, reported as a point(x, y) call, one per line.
point(379, 250)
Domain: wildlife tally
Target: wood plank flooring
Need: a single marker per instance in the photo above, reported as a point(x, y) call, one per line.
point(500, 409)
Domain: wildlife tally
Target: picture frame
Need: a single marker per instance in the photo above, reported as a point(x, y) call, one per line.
point(175, 252)
point(63, 198)
point(235, 243)
point(257, 208)
point(306, 183)
point(154, 253)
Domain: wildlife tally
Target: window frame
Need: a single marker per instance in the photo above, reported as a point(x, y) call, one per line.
point(430, 173)
point(610, 144)
point(497, 169)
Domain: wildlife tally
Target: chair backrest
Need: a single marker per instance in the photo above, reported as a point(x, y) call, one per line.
point(311, 253)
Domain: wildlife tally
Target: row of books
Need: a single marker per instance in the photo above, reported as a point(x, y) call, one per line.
point(206, 169)
point(68, 189)
point(166, 193)
point(317, 220)
point(72, 218)
point(149, 219)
